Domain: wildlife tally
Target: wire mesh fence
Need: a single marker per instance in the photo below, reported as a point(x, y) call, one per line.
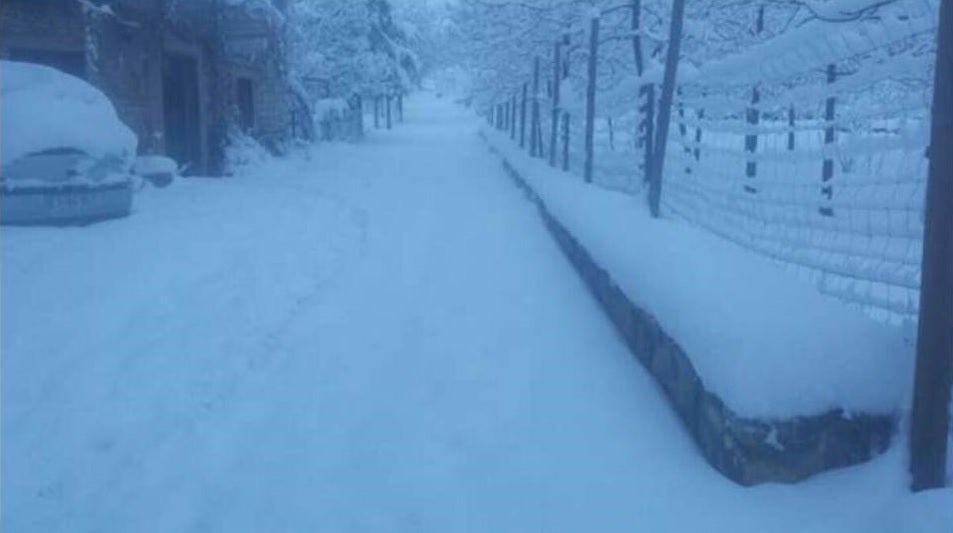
point(812, 150)
point(809, 148)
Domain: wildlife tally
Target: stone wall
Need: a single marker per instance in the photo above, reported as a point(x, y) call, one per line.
point(62, 23)
point(747, 451)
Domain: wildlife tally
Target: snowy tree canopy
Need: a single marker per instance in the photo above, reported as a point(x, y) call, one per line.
point(357, 47)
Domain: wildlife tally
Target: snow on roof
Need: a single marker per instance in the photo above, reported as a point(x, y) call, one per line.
point(42, 108)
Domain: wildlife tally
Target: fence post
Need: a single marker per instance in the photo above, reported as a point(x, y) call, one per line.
point(390, 122)
point(523, 118)
point(360, 115)
point(827, 170)
point(566, 141)
point(665, 106)
point(506, 115)
point(377, 111)
point(557, 74)
point(648, 127)
point(611, 134)
point(934, 368)
point(791, 126)
point(400, 107)
point(534, 119)
point(591, 97)
point(698, 135)
point(513, 105)
point(753, 117)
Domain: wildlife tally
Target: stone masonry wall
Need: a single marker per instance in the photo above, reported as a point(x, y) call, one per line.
point(747, 451)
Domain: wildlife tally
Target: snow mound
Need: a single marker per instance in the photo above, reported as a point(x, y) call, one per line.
point(42, 108)
point(767, 343)
point(155, 164)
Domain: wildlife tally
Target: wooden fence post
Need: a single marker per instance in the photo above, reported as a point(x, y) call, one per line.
point(534, 148)
point(930, 424)
point(377, 112)
point(791, 128)
point(513, 105)
point(752, 118)
point(648, 128)
point(523, 118)
point(591, 97)
point(557, 75)
point(506, 115)
point(566, 141)
point(390, 122)
point(698, 135)
point(827, 170)
point(665, 106)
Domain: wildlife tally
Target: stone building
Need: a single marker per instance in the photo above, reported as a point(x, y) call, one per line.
point(184, 74)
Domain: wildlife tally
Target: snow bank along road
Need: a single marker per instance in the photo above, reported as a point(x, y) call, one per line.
point(375, 337)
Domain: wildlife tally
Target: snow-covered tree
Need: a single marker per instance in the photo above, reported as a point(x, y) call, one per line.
point(356, 46)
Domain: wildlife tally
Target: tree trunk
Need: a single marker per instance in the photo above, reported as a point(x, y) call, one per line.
point(636, 27)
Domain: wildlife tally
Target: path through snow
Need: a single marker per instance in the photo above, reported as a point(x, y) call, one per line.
point(375, 337)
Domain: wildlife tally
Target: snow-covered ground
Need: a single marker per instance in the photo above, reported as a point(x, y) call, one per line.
point(360, 337)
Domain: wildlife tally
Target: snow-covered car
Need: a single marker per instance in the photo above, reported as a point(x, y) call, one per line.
point(65, 156)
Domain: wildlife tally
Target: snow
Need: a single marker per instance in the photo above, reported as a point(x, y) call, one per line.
point(357, 337)
point(154, 164)
point(43, 108)
point(769, 344)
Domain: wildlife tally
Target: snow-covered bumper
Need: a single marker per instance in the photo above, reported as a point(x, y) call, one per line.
point(65, 204)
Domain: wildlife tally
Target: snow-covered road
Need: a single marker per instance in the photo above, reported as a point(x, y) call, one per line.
point(375, 337)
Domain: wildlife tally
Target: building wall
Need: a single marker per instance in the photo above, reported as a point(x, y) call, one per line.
point(252, 49)
point(124, 57)
point(62, 24)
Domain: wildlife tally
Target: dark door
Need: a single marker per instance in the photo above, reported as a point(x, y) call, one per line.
point(180, 102)
point(246, 104)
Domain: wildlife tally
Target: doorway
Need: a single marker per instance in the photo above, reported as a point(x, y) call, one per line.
point(246, 105)
point(181, 111)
